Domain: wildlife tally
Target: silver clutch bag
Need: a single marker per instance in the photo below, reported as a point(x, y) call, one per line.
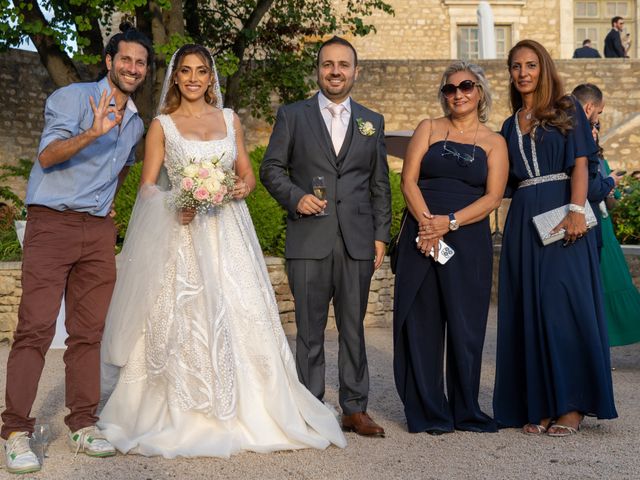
point(547, 221)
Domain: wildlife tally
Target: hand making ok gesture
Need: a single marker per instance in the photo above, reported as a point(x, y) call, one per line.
point(102, 121)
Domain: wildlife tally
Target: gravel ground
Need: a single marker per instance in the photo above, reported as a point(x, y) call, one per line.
point(602, 450)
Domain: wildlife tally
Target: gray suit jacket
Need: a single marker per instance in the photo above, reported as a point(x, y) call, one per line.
point(357, 179)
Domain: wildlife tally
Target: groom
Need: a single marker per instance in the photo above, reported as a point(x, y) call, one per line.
point(89, 139)
point(332, 256)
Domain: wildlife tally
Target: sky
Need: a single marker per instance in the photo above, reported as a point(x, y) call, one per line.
point(27, 44)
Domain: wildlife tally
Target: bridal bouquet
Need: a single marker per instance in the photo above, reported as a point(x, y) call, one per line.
point(203, 185)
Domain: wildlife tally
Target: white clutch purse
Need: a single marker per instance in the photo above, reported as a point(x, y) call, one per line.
point(547, 221)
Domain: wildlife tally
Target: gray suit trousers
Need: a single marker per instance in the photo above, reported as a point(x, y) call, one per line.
point(313, 284)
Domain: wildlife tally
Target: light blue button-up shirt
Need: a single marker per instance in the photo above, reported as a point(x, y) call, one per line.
point(86, 182)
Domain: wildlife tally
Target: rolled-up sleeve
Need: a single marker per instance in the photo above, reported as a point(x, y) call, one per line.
point(62, 114)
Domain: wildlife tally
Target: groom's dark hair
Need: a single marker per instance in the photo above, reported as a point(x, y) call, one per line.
point(335, 40)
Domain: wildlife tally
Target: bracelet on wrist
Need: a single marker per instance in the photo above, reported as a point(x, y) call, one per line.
point(573, 207)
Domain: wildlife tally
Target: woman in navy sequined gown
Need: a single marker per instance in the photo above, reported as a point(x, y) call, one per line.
point(552, 365)
point(454, 175)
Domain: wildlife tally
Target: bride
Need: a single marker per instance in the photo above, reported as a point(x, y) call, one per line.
point(193, 341)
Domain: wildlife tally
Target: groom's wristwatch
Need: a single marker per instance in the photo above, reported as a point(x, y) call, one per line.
point(453, 223)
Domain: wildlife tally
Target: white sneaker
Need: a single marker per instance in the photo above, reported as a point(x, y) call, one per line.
point(20, 457)
point(91, 441)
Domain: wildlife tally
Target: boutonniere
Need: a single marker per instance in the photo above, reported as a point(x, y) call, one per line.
point(366, 128)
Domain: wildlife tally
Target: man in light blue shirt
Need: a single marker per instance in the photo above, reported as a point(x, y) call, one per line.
point(88, 142)
point(87, 181)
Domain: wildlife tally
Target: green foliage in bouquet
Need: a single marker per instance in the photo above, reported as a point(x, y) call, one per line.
point(626, 214)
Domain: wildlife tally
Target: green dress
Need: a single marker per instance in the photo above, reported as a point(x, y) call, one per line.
point(622, 299)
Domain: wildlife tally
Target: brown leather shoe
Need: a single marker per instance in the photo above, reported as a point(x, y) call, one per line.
point(362, 424)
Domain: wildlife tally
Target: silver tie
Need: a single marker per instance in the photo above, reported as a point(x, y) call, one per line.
point(338, 127)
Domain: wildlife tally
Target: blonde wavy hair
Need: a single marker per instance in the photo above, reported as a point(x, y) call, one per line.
point(484, 105)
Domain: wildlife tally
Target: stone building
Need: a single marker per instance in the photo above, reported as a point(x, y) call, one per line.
point(442, 29)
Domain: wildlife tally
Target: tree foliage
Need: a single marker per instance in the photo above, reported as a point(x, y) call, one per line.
point(262, 47)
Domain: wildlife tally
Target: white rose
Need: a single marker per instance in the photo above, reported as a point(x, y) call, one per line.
point(219, 174)
point(191, 170)
point(212, 185)
point(207, 164)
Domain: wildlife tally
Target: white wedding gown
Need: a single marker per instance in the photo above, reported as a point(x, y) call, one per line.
point(204, 367)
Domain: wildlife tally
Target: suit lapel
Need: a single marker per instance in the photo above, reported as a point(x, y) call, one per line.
point(319, 128)
point(356, 136)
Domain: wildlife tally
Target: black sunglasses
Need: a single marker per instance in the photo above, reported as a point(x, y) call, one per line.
point(465, 87)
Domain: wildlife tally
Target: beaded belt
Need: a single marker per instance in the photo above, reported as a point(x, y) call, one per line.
point(554, 177)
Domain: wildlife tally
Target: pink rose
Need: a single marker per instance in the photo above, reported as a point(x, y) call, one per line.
point(203, 173)
point(201, 193)
point(187, 183)
point(218, 197)
point(223, 189)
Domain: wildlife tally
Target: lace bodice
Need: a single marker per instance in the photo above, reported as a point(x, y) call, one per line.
point(178, 150)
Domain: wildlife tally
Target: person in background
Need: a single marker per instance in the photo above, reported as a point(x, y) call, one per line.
point(613, 47)
point(621, 297)
point(586, 51)
point(600, 186)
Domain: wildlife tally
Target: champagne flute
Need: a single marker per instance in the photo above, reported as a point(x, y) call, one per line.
point(320, 191)
point(41, 436)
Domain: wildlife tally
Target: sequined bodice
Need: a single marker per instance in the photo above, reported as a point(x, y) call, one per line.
point(179, 150)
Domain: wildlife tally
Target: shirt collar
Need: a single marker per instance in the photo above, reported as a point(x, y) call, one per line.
point(324, 102)
point(103, 84)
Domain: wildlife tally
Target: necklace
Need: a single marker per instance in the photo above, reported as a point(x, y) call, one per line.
point(463, 159)
point(534, 155)
point(528, 114)
point(462, 130)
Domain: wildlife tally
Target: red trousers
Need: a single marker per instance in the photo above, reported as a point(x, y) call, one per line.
point(68, 253)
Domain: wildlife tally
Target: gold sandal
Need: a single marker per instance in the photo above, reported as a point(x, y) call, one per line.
point(563, 430)
point(539, 429)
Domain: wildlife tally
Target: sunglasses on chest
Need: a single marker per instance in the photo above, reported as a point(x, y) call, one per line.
point(465, 87)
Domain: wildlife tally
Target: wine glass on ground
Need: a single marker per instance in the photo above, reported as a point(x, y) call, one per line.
point(41, 437)
point(320, 191)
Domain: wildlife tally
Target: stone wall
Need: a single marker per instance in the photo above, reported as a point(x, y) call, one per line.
point(10, 292)
point(405, 91)
point(24, 87)
point(422, 29)
point(379, 309)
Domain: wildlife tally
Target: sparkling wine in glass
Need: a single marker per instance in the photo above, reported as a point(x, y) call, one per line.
point(320, 191)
